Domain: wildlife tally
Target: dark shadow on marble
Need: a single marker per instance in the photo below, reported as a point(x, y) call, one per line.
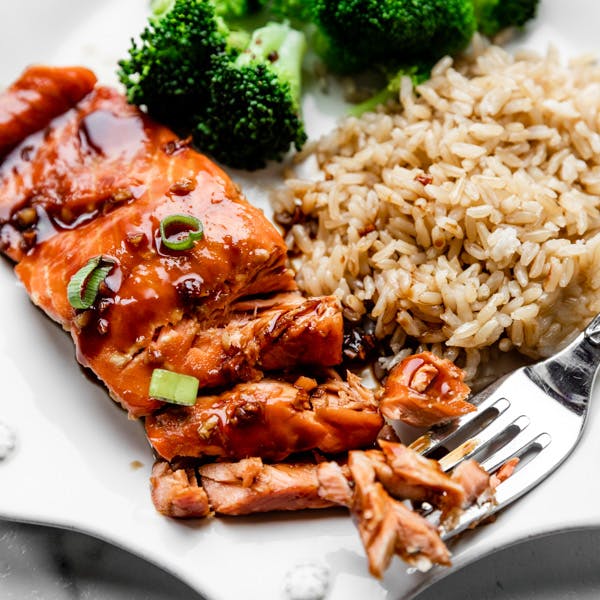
point(44, 563)
point(556, 567)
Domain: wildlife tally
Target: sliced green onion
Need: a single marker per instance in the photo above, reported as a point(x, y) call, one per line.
point(189, 231)
point(176, 388)
point(84, 285)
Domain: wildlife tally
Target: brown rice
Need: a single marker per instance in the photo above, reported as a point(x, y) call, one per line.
point(468, 216)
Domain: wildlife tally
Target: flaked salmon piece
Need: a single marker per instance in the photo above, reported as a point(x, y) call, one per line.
point(418, 542)
point(504, 472)
point(334, 483)
point(386, 526)
point(310, 333)
point(474, 480)
point(241, 489)
point(268, 418)
point(176, 493)
point(424, 390)
point(336, 392)
point(405, 474)
point(242, 472)
point(40, 94)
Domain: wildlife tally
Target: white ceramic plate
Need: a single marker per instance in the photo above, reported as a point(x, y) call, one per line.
point(75, 456)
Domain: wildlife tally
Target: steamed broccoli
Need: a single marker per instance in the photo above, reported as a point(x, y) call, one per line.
point(237, 93)
point(160, 7)
point(253, 114)
point(362, 33)
point(203, 67)
point(352, 35)
point(495, 15)
point(232, 9)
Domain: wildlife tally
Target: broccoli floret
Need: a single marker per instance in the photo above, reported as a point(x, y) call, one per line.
point(495, 15)
point(238, 94)
point(167, 70)
point(362, 33)
point(294, 10)
point(254, 111)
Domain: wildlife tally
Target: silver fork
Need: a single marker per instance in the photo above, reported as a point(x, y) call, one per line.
point(536, 413)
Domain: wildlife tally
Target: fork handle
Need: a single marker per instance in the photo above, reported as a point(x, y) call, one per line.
point(569, 375)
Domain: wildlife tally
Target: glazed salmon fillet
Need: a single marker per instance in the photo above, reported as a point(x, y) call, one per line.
point(96, 182)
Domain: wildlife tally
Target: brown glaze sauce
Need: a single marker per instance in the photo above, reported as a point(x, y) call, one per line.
point(107, 134)
point(71, 172)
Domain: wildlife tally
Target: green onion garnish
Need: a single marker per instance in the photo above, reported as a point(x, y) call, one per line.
point(176, 388)
point(84, 285)
point(185, 230)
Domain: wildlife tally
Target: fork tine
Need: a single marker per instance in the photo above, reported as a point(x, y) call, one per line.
point(433, 439)
point(470, 517)
point(483, 439)
point(522, 443)
point(523, 479)
point(510, 489)
point(516, 485)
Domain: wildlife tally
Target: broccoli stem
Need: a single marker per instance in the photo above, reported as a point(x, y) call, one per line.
point(417, 73)
point(161, 7)
point(282, 48)
point(238, 40)
point(381, 97)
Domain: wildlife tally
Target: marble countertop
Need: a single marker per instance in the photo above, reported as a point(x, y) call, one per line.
point(44, 563)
